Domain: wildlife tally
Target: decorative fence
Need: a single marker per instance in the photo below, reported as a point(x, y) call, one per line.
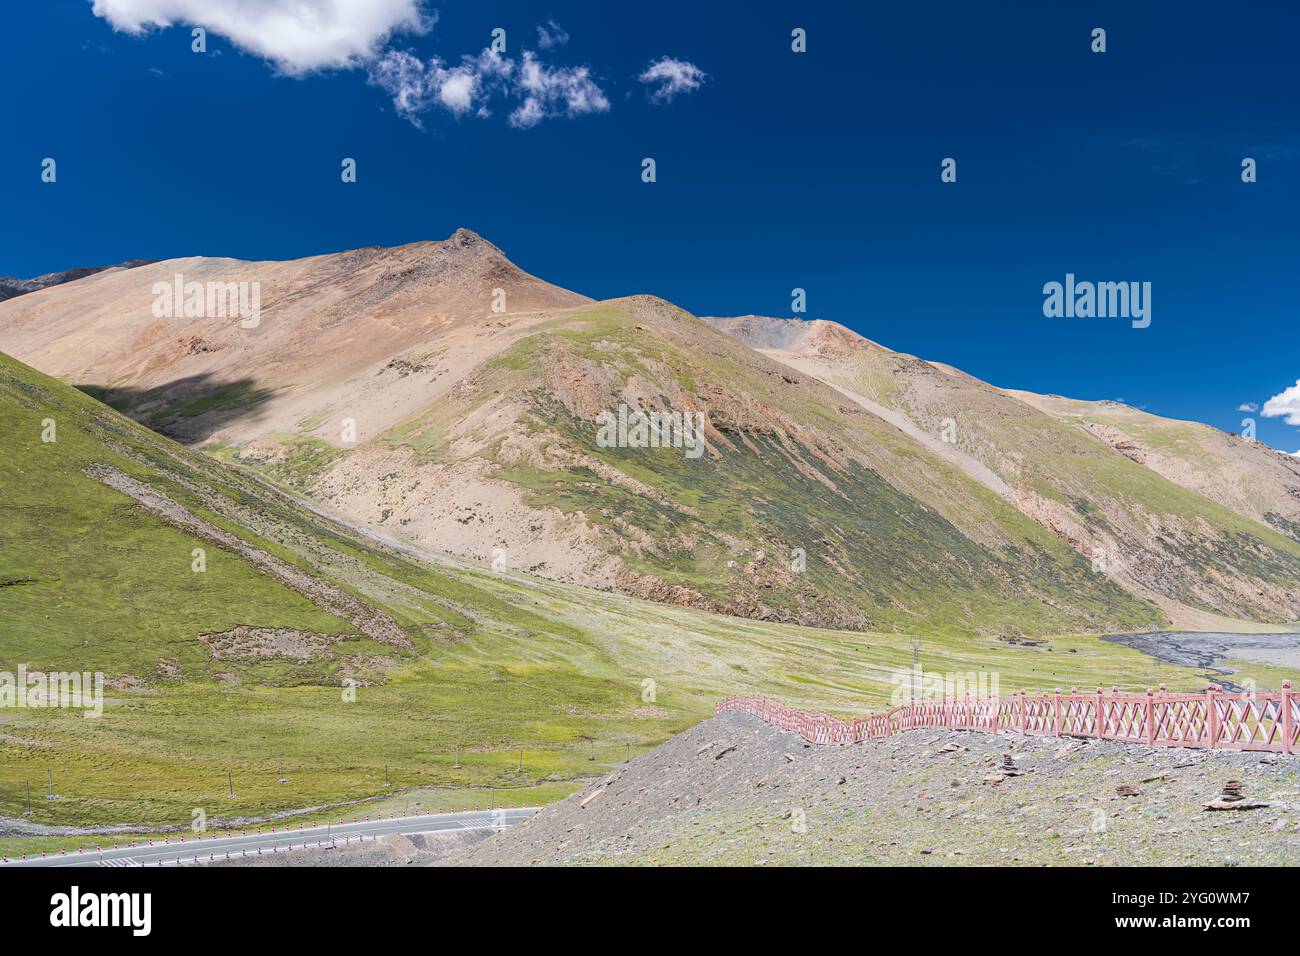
point(1211, 720)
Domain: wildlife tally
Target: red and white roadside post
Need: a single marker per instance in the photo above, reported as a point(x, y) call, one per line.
point(1288, 720)
point(1211, 715)
point(1151, 717)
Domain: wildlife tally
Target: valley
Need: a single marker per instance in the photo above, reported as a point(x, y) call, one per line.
point(469, 593)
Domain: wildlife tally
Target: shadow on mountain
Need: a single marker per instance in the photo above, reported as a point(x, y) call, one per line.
point(190, 409)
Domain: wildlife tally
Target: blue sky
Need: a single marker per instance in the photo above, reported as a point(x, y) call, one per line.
point(779, 170)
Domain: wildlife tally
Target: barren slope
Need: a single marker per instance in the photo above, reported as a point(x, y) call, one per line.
point(367, 336)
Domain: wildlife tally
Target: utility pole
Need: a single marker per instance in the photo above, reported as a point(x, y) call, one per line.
point(456, 765)
point(50, 771)
point(520, 768)
point(230, 779)
point(29, 797)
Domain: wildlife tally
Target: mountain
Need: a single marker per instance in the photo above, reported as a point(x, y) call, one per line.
point(364, 335)
point(438, 392)
point(11, 287)
point(1197, 521)
point(1247, 476)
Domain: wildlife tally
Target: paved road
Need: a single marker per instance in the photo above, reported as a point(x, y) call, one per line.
point(339, 833)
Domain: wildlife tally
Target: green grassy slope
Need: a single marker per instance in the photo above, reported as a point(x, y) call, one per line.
point(497, 663)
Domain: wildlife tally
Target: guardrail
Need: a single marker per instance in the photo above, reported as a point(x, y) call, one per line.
point(1213, 720)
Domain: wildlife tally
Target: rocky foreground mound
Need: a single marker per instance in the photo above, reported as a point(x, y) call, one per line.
point(734, 790)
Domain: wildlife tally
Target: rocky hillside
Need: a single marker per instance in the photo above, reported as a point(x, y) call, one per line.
point(735, 791)
point(803, 508)
point(1199, 522)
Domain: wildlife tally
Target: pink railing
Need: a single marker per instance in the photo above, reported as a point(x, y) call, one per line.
point(1213, 719)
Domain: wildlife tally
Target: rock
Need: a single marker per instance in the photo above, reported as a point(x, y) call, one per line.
point(1238, 804)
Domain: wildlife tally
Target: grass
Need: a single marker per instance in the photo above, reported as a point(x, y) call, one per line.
point(225, 398)
point(302, 458)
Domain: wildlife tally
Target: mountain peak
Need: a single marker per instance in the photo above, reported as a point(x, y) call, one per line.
point(793, 334)
point(468, 239)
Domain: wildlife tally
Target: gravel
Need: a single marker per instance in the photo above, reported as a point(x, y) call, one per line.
point(734, 791)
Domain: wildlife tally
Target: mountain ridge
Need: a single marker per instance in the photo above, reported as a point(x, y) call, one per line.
point(998, 437)
point(437, 390)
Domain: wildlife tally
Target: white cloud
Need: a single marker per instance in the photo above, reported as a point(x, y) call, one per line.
point(555, 91)
point(671, 77)
point(544, 91)
point(298, 36)
point(1285, 405)
point(551, 34)
point(1248, 407)
point(302, 36)
point(417, 86)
